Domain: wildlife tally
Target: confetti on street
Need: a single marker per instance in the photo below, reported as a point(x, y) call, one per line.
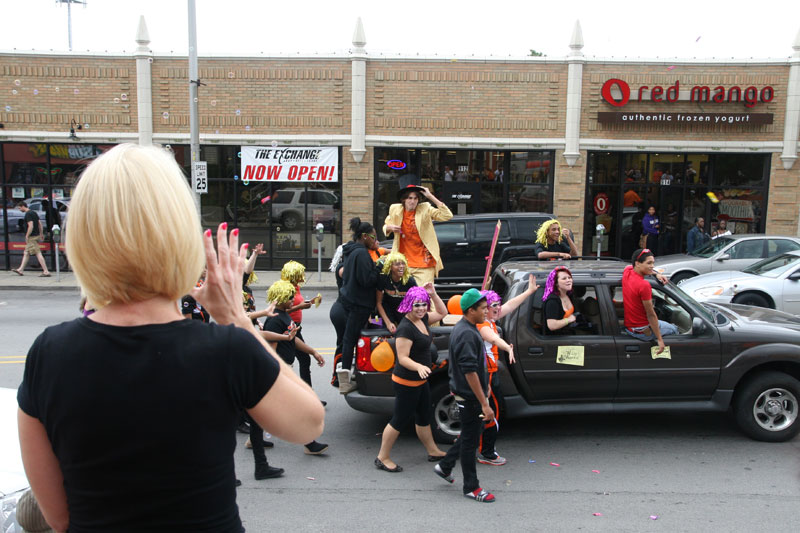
point(597, 514)
point(653, 517)
point(596, 471)
point(311, 478)
point(554, 464)
point(671, 68)
point(531, 461)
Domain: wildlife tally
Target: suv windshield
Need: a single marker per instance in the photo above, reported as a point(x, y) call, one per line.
point(695, 304)
point(712, 247)
point(774, 266)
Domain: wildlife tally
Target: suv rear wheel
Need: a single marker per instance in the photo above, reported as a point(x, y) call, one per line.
point(766, 407)
point(446, 422)
point(290, 221)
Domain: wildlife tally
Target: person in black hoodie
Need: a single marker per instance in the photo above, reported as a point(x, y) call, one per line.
point(357, 294)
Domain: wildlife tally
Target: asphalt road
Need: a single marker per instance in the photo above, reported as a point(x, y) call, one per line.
point(655, 472)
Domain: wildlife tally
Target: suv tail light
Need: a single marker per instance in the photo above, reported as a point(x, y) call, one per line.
point(364, 355)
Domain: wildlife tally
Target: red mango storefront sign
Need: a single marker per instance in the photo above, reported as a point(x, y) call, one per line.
point(618, 93)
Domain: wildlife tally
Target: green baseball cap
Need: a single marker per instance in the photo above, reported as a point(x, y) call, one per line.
point(470, 298)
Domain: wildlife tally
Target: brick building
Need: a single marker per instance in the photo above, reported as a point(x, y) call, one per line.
point(593, 140)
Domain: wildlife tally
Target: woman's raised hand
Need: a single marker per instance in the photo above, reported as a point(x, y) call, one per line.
point(221, 293)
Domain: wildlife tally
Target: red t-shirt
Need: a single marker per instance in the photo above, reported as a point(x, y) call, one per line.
point(297, 316)
point(635, 290)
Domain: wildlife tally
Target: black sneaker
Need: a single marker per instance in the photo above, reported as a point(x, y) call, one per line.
point(315, 448)
point(267, 472)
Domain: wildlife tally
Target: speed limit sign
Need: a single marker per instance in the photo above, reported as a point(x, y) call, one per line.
point(200, 177)
point(601, 204)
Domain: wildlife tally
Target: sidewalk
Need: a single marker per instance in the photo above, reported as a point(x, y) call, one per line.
point(31, 281)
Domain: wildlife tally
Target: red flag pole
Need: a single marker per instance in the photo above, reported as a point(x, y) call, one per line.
point(491, 257)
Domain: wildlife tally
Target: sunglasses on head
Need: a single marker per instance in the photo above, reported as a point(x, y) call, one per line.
point(644, 251)
point(420, 304)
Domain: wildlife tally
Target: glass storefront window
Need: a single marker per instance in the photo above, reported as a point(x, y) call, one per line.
point(603, 168)
point(735, 170)
point(636, 170)
point(531, 182)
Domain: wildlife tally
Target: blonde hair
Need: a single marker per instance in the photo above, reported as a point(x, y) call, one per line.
point(280, 292)
point(541, 235)
point(294, 272)
point(134, 232)
point(395, 257)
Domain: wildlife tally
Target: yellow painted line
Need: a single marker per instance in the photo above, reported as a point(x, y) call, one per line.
point(13, 356)
point(20, 362)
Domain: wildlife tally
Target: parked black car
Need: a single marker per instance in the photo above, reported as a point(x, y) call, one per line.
point(465, 240)
point(726, 357)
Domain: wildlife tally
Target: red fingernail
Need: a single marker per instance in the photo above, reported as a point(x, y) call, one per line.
point(245, 246)
point(208, 233)
point(224, 225)
point(235, 232)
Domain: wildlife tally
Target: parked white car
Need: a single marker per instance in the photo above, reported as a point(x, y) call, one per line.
point(773, 283)
point(13, 482)
point(732, 252)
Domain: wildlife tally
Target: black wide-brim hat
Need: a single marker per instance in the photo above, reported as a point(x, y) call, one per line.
point(407, 189)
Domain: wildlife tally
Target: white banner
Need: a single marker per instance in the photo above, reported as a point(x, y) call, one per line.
point(290, 164)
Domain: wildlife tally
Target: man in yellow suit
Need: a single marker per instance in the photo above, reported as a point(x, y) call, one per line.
point(411, 222)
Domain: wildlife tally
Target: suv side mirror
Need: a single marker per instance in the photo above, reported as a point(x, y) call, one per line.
point(698, 326)
point(794, 276)
point(724, 257)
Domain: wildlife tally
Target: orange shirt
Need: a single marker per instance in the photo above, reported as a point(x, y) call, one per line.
point(411, 245)
point(568, 312)
point(376, 254)
point(490, 349)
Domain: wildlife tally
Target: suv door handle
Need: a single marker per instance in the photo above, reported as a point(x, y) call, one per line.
point(462, 243)
point(535, 350)
point(504, 242)
point(631, 348)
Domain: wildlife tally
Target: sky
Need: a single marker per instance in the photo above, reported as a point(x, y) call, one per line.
point(502, 28)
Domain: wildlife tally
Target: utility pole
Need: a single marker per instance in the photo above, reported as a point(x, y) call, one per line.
point(69, 16)
point(199, 179)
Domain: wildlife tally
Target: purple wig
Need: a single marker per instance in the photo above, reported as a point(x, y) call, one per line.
point(414, 294)
point(491, 297)
point(550, 286)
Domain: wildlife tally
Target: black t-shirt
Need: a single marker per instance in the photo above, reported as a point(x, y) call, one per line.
point(282, 324)
point(553, 308)
point(190, 305)
point(420, 347)
point(31, 216)
point(393, 294)
point(113, 401)
point(561, 247)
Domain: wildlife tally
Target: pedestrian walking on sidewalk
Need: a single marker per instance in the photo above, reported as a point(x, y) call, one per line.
point(33, 234)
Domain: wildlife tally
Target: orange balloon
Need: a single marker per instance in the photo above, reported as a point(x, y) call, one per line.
point(382, 357)
point(454, 305)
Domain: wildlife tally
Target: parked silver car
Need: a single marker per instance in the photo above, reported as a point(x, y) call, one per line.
point(732, 252)
point(772, 282)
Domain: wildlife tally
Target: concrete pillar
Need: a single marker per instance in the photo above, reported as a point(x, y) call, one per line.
point(574, 88)
point(792, 123)
point(144, 87)
point(358, 120)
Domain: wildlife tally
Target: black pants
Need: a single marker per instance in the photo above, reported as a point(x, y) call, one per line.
point(466, 445)
point(257, 440)
point(303, 361)
point(357, 316)
point(411, 402)
point(338, 317)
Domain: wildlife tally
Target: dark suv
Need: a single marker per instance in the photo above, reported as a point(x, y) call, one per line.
point(726, 356)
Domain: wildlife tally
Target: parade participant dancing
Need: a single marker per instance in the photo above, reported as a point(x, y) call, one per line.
point(284, 336)
point(412, 392)
point(496, 310)
point(411, 222)
point(295, 273)
point(136, 363)
point(358, 295)
point(550, 242)
point(393, 284)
